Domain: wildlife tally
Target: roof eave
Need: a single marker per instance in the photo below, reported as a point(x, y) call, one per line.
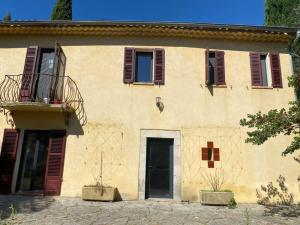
point(119, 28)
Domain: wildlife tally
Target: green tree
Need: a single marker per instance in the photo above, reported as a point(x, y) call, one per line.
point(62, 10)
point(7, 17)
point(273, 123)
point(282, 12)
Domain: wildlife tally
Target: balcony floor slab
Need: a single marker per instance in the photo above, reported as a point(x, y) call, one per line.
point(35, 106)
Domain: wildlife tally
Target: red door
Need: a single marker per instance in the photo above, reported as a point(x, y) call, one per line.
point(55, 163)
point(8, 158)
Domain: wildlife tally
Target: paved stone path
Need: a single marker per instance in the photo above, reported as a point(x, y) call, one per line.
point(60, 210)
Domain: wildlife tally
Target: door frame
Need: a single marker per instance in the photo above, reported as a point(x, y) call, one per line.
point(22, 164)
point(19, 153)
point(175, 135)
point(18, 159)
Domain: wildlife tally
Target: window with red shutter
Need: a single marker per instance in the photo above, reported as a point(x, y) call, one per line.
point(215, 68)
point(37, 82)
point(55, 163)
point(144, 66)
point(8, 159)
point(261, 66)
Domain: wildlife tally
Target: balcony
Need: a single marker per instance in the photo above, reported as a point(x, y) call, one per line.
point(41, 92)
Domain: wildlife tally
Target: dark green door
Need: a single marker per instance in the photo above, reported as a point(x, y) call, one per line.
point(159, 168)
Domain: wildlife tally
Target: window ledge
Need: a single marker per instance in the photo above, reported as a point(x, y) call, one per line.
point(216, 86)
point(261, 87)
point(143, 83)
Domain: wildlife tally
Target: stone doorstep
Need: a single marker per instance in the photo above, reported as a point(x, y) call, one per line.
point(161, 200)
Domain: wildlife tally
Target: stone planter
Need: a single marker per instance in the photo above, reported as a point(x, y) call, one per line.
point(215, 197)
point(96, 193)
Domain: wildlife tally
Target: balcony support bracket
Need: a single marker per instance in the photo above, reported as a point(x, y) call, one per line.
point(9, 116)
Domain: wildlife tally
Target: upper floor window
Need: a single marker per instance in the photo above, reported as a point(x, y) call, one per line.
point(215, 68)
point(43, 75)
point(265, 70)
point(146, 66)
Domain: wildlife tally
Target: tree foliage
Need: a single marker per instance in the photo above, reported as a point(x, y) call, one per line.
point(273, 123)
point(7, 17)
point(62, 10)
point(282, 12)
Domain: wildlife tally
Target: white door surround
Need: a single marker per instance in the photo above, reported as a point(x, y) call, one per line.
point(145, 133)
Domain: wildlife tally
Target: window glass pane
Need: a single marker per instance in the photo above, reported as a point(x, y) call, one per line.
point(143, 67)
point(44, 74)
point(264, 70)
point(211, 67)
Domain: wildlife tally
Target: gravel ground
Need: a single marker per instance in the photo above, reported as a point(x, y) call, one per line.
point(61, 210)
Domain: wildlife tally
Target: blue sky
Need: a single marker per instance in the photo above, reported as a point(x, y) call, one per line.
point(248, 12)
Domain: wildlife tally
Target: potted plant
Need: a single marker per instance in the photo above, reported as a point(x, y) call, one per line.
point(98, 191)
point(216, 196)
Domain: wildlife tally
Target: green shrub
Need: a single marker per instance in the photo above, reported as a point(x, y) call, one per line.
point(271, 195)
point(232, 204)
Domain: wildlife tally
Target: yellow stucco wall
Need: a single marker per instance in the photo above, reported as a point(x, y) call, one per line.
point(117, 112)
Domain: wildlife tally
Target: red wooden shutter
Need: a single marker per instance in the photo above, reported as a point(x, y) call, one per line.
point(159, 66)
point(207, 67)
point(129, 64)
point(219, 68)
point(55, 163)
point(28, 73)
point(57, 80)
point(8, 159)
point(276, 70)
point(256, 75)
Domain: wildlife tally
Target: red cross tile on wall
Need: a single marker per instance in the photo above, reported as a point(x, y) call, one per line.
point(210, 154)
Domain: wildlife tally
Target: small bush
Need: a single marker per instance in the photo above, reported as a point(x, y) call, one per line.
point(232, 204)
point(270, 195)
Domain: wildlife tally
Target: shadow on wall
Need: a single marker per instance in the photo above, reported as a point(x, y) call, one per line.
point(211, 90)
point(23, 41)
point(23, 204)
point(48, 121)
point(74, 125)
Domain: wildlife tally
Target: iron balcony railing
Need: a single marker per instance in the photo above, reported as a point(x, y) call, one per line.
point(43, 88)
